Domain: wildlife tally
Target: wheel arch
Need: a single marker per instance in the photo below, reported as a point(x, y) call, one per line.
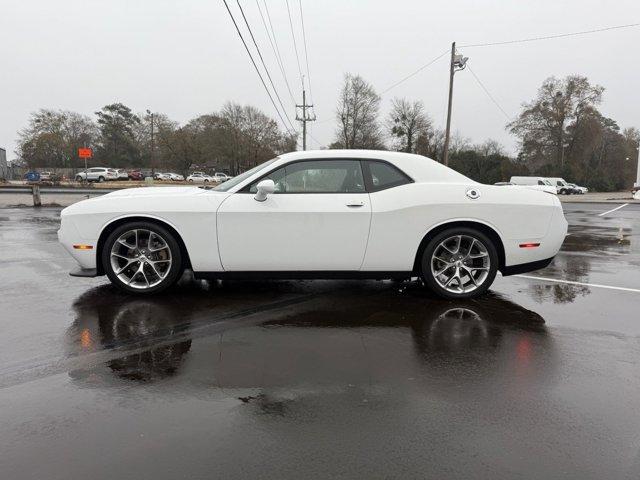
point(115, 223)
point(488, 230)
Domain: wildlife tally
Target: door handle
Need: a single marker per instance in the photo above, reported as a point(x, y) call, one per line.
point(355, 204)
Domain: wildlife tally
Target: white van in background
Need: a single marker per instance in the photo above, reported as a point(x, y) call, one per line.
point(535, 183)
point(562, 186)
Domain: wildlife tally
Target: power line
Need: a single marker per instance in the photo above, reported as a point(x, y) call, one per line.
point(488, 94)
point(416, 72)
point(549, 37)
point(266, 8)
point(284, 110)
point(295, 45)
point(256, 68)
point(276, 53)
point(306, 56)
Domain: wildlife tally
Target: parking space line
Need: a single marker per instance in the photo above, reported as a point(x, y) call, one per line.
point(570, 282)
point(613, 210)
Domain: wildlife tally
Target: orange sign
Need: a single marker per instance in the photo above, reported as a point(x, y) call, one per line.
point(85, 153)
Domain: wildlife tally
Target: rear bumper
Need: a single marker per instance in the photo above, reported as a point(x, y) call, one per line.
point(549, 244)
point(526, 267)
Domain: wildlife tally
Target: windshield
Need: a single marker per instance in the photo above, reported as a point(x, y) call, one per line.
point(229, 184)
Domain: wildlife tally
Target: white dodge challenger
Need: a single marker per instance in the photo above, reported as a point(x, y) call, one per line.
point(319, 214)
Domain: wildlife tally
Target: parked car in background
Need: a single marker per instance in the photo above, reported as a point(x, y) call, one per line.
point(162, 176)
point(175, 177)
point(199, 177)
point(135, 175)
point(533, 183)
point(32, 176)
point(350, 213)
point(578, 189)
point(221, 177)
point(46, 177)
point(563, 187)
point(122, 174)
point(96, 174)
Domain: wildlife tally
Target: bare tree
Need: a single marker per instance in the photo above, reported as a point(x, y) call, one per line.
point(250, 137)
point(52, 138)
point(357, 115)
point(406, 122)
point(546, 126)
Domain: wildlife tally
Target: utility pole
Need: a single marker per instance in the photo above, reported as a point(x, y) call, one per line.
point(564, 145)
point(304, 118)
point(458, 62)
point(153, 154)
point(637, 183)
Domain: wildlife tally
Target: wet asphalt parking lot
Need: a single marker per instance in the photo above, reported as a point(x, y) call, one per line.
point(322, 379)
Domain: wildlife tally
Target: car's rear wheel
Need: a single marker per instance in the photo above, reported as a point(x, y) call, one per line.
point(459, 263)
point(78, 178)
point(142, 257)
point(100, 179)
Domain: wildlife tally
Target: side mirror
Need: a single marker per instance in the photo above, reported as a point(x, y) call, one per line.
point(265, 188)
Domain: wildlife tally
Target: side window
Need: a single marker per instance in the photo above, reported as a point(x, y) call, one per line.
point(384, 175)
point(317, 176)
point(540, 182)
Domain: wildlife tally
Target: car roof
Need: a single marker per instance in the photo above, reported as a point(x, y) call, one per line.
point(418, 167)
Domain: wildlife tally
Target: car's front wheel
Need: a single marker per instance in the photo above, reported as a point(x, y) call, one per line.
point(78, 178)
point(459, 263)
point(142, 257)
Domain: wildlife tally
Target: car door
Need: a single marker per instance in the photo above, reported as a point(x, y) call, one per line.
point(92, 173)
point(317, 220)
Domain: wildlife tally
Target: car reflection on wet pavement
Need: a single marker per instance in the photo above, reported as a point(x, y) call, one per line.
point(159, 332)
point(537, 379)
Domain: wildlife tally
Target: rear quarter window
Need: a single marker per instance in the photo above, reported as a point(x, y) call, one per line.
point(383, 175)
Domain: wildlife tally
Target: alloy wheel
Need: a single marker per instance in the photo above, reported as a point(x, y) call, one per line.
point(141, 258)
point(460, 264)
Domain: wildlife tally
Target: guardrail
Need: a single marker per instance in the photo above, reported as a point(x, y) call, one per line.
point(30, 188)
point(37, 190)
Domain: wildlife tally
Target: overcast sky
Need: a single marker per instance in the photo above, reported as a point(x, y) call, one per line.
point(185, 58)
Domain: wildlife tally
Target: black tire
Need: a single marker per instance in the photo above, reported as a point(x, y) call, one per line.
point(78, 178)
point(425, 262)
point(171, 277)
point(100, 179)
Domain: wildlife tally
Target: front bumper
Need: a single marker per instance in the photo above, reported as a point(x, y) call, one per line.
point(84, 272)
point(68, 236)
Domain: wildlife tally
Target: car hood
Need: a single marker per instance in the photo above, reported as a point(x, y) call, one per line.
point(153, 192)
point(147, 199)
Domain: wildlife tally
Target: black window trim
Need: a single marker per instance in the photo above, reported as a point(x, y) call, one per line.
point(364, 168)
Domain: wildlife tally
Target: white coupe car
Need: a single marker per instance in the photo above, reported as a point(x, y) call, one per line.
point(199, 177)
point(319, 214)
